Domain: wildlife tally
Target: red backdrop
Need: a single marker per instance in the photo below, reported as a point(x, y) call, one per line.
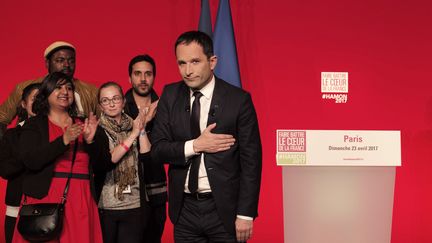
point(283, 46)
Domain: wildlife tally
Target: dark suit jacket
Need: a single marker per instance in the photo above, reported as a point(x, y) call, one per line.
point(234, 175)
point(39, 156)
point(11, 168)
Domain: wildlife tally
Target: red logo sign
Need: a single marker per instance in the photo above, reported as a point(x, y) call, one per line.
point(291, 141)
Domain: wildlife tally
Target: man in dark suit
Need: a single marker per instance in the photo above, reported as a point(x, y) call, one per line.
point(207, 130)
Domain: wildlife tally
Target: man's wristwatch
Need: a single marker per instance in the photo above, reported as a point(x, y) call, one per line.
point(144, 132)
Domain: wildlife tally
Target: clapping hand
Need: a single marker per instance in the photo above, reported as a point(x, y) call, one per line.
point(138, 124)
point(72, 131)
point(90, 126)
point(150, 112)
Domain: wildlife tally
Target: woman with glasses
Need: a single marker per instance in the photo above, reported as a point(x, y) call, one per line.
point(122, 187)
point(47, 144)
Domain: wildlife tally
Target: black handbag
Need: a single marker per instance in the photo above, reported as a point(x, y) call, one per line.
point(41, 221)
point(44, 221)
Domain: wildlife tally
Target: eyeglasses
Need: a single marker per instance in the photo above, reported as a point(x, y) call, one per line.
point(106, 101)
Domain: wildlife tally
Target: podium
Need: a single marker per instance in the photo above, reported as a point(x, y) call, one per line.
point(337, 190)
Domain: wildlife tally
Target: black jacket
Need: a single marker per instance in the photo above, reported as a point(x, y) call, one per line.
point(39, 156)
point(153, 173)
point(11, 168)
point(234, 175)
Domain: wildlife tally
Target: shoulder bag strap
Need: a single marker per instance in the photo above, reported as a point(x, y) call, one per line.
point(63, 201)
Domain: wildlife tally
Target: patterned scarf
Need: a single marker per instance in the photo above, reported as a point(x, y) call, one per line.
point(125, 172)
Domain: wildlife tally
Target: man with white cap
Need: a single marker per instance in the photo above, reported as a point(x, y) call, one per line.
point(59, 57)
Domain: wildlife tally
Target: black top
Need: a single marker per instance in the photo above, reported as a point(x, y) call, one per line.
point(11, 168)
point(151, 172)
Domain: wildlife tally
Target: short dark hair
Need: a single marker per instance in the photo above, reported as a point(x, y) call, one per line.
point(198, 37)
point(109, 84)
point(21, 112)
point(49, 84)
point(142, 58)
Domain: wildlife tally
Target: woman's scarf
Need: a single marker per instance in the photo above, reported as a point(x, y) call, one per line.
point(125, 172)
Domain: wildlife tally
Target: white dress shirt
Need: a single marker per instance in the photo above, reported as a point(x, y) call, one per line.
point(205, 101)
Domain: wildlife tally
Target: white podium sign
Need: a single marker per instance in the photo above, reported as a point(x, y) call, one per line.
point(338, 148)
point(338, 186)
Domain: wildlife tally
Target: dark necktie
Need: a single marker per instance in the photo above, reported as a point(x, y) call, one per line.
point(196, 132)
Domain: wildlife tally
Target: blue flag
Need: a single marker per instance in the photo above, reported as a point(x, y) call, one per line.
point(225, 47)
point(205, 24)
